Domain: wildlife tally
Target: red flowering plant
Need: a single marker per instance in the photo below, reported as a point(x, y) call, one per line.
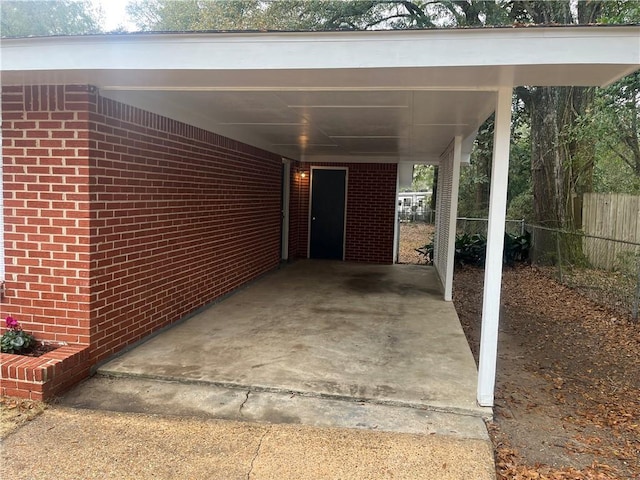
point(15, 340)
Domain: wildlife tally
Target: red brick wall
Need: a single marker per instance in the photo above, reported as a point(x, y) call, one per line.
point(298, 211)
point(180, 217)
point(45, 153)
point(371, 198)
point(119, 221)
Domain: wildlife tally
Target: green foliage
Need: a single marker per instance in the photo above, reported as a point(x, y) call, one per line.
point(471, 249)
point(473, 198)
point(15, 340)
point(42, 18)
point(617, 114)
point(521, 206)
point(516, 248)
point(314, 15)
point(612, 175)
point(426, 252)
point(520, 160)
point(620, 12)
point(422, 178)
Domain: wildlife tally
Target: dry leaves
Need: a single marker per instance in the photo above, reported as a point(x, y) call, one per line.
point(15, 411)
point(412, 236)
point(568, 386)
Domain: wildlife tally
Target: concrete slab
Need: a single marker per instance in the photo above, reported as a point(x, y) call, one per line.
point(208, 401)
point(357, 332)
point(318, 345)
point(92, 444)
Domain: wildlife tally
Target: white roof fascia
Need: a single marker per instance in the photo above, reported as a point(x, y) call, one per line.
point(500, 47)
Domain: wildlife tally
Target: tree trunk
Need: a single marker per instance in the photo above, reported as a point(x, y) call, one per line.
point(580, 149)
point(547, 160)
point(561, 160)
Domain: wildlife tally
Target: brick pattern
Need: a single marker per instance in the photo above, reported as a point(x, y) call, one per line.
point(179, 217)
point(298, 211)
point(120, 221)
point(371, 200)
point(41, 378)
point(371, 197)
point(45, 152)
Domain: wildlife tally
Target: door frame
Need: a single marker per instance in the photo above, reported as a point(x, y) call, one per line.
point(285, 196)
point(346, 190)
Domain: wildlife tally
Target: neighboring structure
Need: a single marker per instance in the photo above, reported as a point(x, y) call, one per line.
point(414, 207)
point(146, 176)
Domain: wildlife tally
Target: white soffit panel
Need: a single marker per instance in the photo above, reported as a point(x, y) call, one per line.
point(398, 96)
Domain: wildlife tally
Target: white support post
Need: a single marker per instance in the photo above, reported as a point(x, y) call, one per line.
point(453, 218)
point(495, 246)
point(396, 227)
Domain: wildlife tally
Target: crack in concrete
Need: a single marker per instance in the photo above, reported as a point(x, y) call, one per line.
point(246, 399)
point(471, 411)
point(255, 456)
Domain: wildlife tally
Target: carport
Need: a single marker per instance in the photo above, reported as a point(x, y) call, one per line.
point(321, 100)
point(323, 329)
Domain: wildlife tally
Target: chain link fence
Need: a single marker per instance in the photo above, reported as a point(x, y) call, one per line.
point(472, 226)
point(603, 269)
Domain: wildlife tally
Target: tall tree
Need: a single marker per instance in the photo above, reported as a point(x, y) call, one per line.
point(165, 15)
point(619, 117)
point(41, 18)
point(615, 120)
point(561, 165)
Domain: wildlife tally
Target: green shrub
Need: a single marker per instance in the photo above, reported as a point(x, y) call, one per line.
point(471, 249)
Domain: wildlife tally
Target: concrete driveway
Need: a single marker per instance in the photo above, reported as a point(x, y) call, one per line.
point(318, 344)
point(380, 334)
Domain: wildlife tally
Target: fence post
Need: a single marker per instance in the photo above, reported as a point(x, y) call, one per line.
point(522, 227)
point(559, 256)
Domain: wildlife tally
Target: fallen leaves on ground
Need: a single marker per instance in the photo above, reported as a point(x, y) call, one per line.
point(412, 236)
point(568, 382)
point(15, 411)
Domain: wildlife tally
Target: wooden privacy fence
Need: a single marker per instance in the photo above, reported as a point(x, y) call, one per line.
point(611, 216)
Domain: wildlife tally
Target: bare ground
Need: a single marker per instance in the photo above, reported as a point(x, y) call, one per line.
point(412, 236)
point(15, 412)
point(568, 383)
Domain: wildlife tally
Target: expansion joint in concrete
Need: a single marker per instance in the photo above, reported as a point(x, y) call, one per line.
point(255, 456)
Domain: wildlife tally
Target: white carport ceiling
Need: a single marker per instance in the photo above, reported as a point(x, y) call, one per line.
point(397, 96)
point(329, 125)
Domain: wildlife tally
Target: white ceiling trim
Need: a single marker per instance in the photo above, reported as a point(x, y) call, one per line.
point(392, 96)
point(416, 88)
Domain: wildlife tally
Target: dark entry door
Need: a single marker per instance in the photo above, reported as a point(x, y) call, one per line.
point(327, 213)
